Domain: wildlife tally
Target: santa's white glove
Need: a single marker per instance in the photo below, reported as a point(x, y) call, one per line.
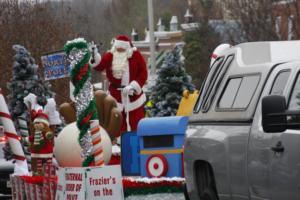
point(128, 90)
point(95, 55)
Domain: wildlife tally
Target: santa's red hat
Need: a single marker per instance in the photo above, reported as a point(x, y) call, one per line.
point(122, 41)
point(41, 117)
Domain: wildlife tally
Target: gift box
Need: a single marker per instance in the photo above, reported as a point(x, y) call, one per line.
point(27, 191)
point(38, 191)
point(13, 187)
point(32, 191)
point(35, 187)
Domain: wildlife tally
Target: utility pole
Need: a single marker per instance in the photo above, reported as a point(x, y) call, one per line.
point(151, 34)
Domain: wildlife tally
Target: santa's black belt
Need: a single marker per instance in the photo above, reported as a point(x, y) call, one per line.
point(116, 86)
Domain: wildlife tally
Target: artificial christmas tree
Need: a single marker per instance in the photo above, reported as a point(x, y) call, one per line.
point(171, 81)
point(25, 80)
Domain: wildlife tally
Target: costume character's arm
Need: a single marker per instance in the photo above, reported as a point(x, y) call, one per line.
point(31, 138)
point(104, 63)
point(49, 135)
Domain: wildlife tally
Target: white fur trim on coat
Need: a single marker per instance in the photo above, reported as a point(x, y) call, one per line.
point(130, 52)
point(135, 104)
point(131, 105)
point(136, 86)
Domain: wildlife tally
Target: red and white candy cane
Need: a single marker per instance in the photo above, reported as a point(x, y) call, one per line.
point(13, 139)
point(97, 143)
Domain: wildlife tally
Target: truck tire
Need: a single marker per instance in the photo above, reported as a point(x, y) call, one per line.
point(208, 194)
point(186, 195)
point(205, 181)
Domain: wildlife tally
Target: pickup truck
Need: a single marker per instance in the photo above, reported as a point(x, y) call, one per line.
point(243, 139)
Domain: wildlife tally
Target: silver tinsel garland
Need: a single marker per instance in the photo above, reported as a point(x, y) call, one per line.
point(82, 100)
point(86, 145)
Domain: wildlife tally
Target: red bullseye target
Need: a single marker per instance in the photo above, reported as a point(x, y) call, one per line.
point(157, 166)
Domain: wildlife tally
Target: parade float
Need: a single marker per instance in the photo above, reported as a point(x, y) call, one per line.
point(88, 164)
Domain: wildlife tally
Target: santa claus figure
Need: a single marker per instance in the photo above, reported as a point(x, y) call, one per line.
point(127, 73)
point(41, 143)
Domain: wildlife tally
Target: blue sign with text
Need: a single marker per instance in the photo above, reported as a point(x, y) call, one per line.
point(56, 66)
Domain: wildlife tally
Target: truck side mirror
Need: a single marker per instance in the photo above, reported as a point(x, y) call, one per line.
point(273, 114)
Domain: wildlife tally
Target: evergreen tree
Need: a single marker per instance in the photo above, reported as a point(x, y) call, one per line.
point(199, 45)
point(171, 81)
point(25, 80)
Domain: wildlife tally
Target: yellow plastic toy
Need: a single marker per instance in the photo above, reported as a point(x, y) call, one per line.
point(187, 103)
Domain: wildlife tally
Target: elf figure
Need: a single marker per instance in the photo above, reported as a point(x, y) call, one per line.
point(41, 143)
point(41, 137)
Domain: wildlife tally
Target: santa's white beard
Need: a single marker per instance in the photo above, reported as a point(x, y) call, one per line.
point(119, 63)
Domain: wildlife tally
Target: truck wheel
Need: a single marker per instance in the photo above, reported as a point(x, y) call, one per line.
point(186, 195)
point(205, 181)
point(209, 194)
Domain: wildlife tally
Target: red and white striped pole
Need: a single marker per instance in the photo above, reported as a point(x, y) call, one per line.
point(97, 143)
point(21, 167)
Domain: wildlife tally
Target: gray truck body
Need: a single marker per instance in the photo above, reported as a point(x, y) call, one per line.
point(225, 133)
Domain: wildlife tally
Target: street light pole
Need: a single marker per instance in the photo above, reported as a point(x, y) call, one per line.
point(151, 34)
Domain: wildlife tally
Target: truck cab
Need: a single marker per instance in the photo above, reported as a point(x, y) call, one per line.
point(243, 139)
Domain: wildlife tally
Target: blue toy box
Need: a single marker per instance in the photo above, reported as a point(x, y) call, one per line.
point(161, 140)
point(130, 158)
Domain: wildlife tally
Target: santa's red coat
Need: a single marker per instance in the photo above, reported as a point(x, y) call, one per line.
point(137, 77)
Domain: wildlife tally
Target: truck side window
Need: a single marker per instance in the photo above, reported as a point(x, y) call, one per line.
point(294, 103)
point(238, 92)
point(216, 83)
point(280, 82)
point(211, 75)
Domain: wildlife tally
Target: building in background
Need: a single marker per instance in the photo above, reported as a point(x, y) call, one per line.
point(164, 40)
point(286, 14)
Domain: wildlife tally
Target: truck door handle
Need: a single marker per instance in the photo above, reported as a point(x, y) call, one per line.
point(278, 148)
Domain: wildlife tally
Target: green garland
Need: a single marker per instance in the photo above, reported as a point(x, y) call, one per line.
point(85, 127)
point(77, 44)
point(80, 74)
